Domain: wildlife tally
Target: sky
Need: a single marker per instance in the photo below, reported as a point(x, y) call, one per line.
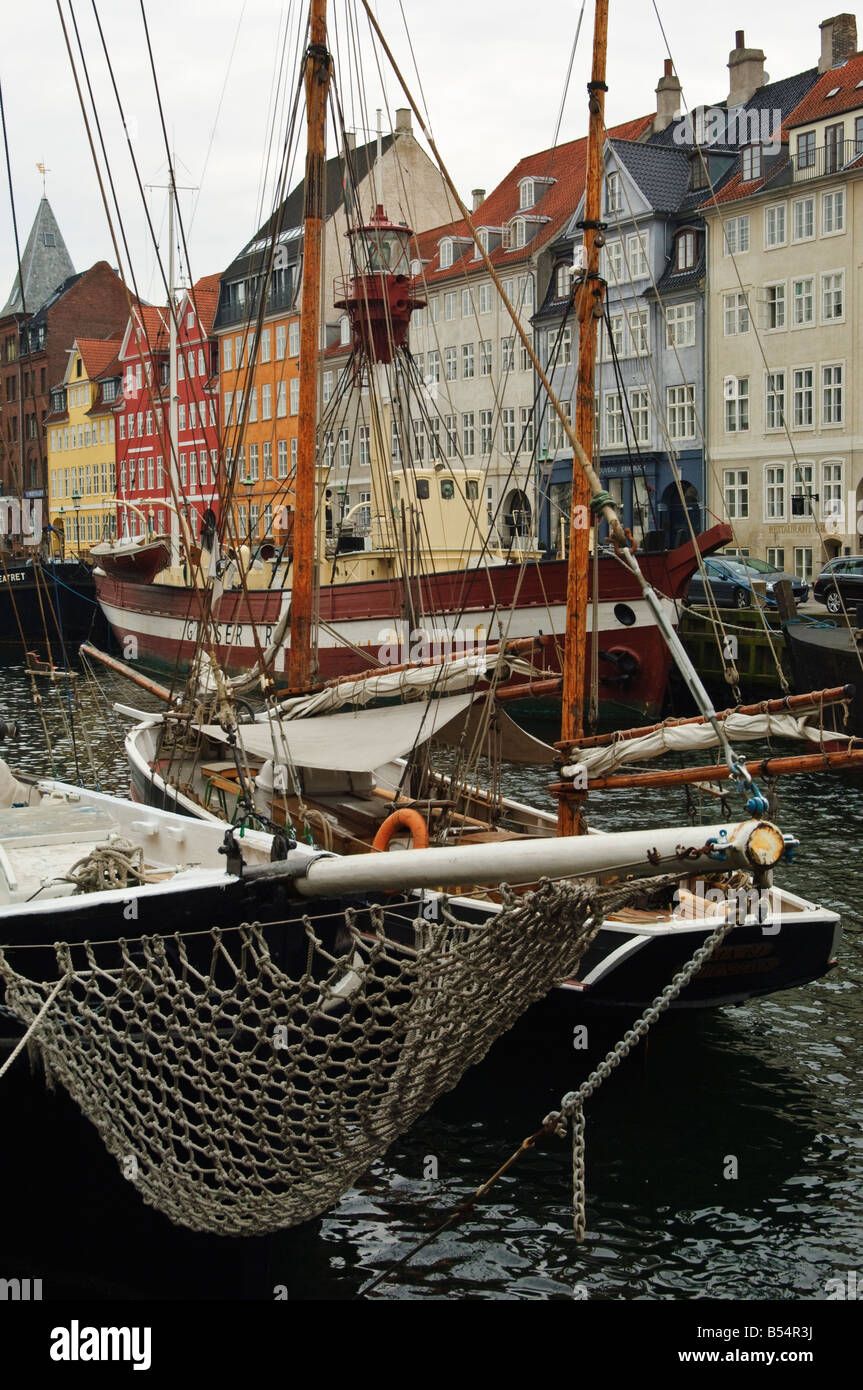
point(491, 77)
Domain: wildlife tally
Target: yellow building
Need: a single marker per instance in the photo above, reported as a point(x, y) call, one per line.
point(82, 502)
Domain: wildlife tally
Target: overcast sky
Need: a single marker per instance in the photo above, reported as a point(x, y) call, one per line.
point(492, 76)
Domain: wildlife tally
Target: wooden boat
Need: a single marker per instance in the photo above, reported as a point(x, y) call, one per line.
point(134, 559)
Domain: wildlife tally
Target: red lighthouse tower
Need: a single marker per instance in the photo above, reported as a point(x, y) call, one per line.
point(377, 293)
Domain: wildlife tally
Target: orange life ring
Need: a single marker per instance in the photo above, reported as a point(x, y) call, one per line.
point(411, 820)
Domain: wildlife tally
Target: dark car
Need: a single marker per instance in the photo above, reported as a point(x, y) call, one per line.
point(731, 578)
point(840, 583)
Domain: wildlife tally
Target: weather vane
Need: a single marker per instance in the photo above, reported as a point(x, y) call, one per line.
point(43, 171)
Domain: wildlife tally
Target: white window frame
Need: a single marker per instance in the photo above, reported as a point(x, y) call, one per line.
point(777, 209)
point(831, 318)
point(832, 489)
point(680, 411)
point(735, 233)
point(675, 316)
point(735, 303)
point(774, 394)
point(735, 493)
point(776, 483)
point(792, 422)
point(841, 385)
point(776, 327)
point(798, 203)
point(834, 193)
point(795, 300)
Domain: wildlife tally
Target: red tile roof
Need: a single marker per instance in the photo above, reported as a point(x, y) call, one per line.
point(566, 164)
point(205, 297)
point(817, 106)
point(98, 353)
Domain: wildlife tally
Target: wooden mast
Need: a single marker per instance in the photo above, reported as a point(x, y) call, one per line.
point(303, 567)
point(589, 309)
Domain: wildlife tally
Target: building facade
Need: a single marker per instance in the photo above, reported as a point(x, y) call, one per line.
point(80, 438)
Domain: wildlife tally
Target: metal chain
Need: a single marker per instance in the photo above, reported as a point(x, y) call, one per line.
point(572, 1104)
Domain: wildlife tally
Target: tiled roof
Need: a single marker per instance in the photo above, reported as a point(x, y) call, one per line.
point(205, 297)
point(818, 106)
point(97, 354)
point(782, 96)
point(674, 280)
point(154, 323)
point(45, 264)
point(661, 173)
point(565, 164)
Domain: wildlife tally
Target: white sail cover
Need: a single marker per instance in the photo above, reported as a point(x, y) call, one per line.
point(363, 740)
point(683, 738)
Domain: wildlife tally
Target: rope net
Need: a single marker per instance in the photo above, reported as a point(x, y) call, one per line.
point(240, 1097)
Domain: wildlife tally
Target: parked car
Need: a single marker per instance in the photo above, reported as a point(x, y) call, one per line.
point(840, 583)
point(731, 578)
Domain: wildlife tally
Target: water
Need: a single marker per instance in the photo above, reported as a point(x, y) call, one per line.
point(775, 1086)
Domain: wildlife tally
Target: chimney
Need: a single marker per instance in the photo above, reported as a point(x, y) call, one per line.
point(668, 91)
point(838, 40)
point(746, 66)
point(477, 195)
point(403, 121)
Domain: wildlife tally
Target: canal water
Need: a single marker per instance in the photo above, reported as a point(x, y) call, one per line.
point(724, 1160)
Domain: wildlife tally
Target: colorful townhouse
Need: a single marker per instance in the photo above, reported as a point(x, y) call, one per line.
point(80, 436)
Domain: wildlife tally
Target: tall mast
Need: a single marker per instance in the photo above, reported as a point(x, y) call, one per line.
point(302, 585)
point(589, 309)
point(172, 378)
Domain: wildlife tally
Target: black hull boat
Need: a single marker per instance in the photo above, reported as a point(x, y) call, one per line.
point(49, 603)
point(822, 655)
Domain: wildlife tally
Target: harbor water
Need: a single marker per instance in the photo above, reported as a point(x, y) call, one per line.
point(724, 1159)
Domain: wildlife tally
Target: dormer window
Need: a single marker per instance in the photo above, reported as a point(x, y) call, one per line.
point(806, 150)
point(344, 330)
point(698, 172)
point(684, 251)
point(446, 249)
point(515, 234)
point(562, 281)
point(613, 193)
point(751, 163)
point(526, 194)
point(416, 269)
point(482, 241)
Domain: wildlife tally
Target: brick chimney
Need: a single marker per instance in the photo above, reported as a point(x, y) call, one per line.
point(477, 196)
point(668, 93)
point(838, 40)
point(746, 68)
point(403, 121)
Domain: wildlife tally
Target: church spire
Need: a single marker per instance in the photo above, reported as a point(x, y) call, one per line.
point(45, 264)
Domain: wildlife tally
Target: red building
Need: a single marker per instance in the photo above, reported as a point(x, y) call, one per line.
point(145, 496)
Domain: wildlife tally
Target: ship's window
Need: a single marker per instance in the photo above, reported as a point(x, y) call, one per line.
point(447, 489)
point(422, 488)
point(472, 489)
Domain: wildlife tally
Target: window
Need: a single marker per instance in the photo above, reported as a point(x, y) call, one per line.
point(833, 212)
point(832, 394)
point(526, 195)
point(227, 354)
point(751, 163)
point(834, 143)
point(467, 360)
point(684, 251)
point(281, 341)
point(267, 401)
point(736, 235)
point(485, 431)
point(613, 418)
point(776, 556)
point(282, 457)
point(562, 281)
point(774, 226)
point(680, 412)
point(525, 293)
point(639, 404)
point(736, 314)
point(485, 358)
point(190, 363)
point(803, 391)
point(736, 493)
point(265, 345)
point(803, 219)
point(557, 438)
point(680, 325)
point(524, 361)
point(433, 309)
point(183, 471)
point(615, 324)
point(833, 296)
point(485, 298)
point(611, 262)
point(635, 253)
point(806, 150)
point(613, 193)
point(858, 132)
point(327, 387)
point(774, 398)
point(451, 435)
point(281, 398)
point(737, 408)
point(253, 405)
point(294, 338)
point(450, 301)
point(467, 434)
point(507, 420)
point(507, 354)
point(363, 436)
point(295, 395)
point(526, 427)
point(774, 492)
point(446, 253)
point(803, 562)
point(294, 451)
point(831, 490)
point(638, 332)
point(450, 363)
point(774, 299)
point(803, 301)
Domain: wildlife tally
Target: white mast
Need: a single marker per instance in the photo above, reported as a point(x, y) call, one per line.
point(173, 472)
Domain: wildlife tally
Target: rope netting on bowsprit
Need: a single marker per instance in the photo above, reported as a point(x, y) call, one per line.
point(239, 1098)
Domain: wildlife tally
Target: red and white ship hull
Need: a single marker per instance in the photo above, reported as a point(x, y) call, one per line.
point(361, 621)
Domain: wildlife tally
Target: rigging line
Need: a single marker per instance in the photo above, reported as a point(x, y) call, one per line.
point(568, 74)
point(218, 112)
point(18, 463)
